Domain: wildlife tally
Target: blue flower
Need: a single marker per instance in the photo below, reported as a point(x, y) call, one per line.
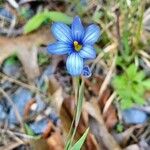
point(75, 41)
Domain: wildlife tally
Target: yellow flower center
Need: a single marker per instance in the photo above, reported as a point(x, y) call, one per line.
point(77, 46)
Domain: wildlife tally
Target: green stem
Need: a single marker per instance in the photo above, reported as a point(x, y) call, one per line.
point(73, 131)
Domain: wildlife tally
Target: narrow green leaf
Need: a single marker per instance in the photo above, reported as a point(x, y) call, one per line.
point(138, 99)
point(36, 21)
point(79, 103)
point(11, 60)
point(80, 142)
point(59, 17)
point(131, 71)
point(67, 145)
point(28, 130)
point(139, 76)
point(126, 103)
point(146, 84)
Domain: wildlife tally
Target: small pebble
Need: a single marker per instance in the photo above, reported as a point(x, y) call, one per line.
point(39, 126)
point(134, 116)
point(20, 99)
point(2, 113)
point(12, 69)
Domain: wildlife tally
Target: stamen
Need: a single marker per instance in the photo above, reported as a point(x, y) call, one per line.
point(77, 46)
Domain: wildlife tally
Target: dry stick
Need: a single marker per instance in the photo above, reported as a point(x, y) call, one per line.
point(144, 54)
point(11, 146)
point(106, 50)
point(105, 136)
point(25, 136)
point(107, 79)
point(117, 12)
point(109, 101)
point(12, 135)
point(147, 62)
point(14, 107)
point(31, 87)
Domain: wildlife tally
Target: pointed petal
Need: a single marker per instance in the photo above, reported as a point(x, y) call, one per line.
point(74, 64)
point(86, 72)
point(92, 34)
point(61, 32)
point(59, 48)
point(88, 52)
point(77, 29)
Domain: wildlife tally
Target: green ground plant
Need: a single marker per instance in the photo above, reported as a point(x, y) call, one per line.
point(131, 86)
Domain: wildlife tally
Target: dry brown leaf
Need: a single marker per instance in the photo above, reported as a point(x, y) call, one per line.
point(25, 47)
point(94, 84)
point(99, 127)
point(91, 143)
point(123, 137)
point(55, 142)
point(40, 144)
point(66, 115)
point(110, 117)
point(56, 93)
point(132, 147)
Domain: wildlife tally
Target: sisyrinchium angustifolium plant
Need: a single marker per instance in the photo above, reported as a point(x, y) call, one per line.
point(131, 86)
point(77, 43)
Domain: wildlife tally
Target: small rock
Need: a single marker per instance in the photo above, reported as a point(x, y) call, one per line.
point(20, 99)
point(12, 68)
point(40, 81)
point(54, 118)
point(40, 104)
point(3, 113)
point(39, 126)
point(134, 116)
point(5, 13)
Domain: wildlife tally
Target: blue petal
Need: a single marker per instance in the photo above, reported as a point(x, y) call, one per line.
point(59, 48)
point(92, 34)
point(86, 72)
point(77, 29)
point(74, 64)
point(87, 52)
point(61, 32)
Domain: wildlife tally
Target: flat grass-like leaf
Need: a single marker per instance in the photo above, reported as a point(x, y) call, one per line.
point(36, 21)
point(59, 17)
point(11, 60)
point(28, 130)
point(79, 103)
point(80, 142)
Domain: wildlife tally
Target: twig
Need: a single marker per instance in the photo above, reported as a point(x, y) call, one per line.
point(100, 56)
point(14, 107)
point(11, 146)
point(12, 135)
point(144, 54)
point(147, 62)
point(31, 87)
point(107, 79)
point(117, 12)
point(13, 3)
point(19, 134)
point(109, 101)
